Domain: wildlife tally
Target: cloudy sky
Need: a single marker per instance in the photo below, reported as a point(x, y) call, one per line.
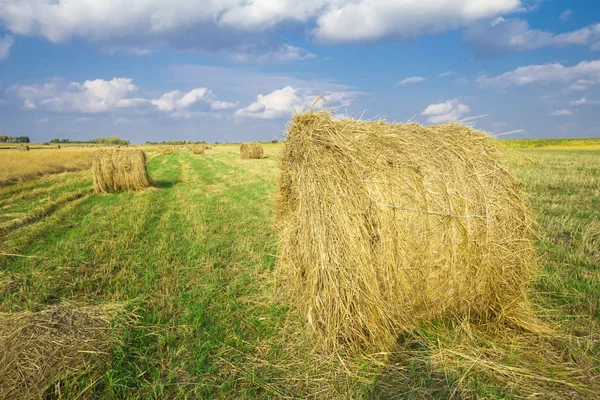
point(236, 70)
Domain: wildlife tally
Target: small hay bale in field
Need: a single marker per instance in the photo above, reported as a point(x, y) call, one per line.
point(198, 149)
point(251, 151)
point(116, 170)
point(23, 147)
point(39, 350)
point(167, 151)
point(383, 226)
point(57, 147)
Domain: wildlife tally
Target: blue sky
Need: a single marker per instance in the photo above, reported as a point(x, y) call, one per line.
point(236, 70)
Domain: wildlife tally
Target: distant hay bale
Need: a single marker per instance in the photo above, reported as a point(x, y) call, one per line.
point(58, 147)
point(383, 226)
point(116, 170)
point(251, 151)
point(39, 350)
point(23, 147)
point(167, 151)
point(198, 149)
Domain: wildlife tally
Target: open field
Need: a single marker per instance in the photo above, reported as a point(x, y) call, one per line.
point(187, 270)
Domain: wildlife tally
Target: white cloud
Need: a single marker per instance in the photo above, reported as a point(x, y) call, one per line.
point(122, 121)
point(283, 54)
point(196, 102)
point(547, 73)
point(566, 15)
point(6, 43)
point(228, 24)
point(581, 84)
point(451, 110)
point(461, 81)
point(222, 105)
point(584, 101)
point(561, 113)
point(99, 96)
point(348, 21)
point(516, 35)
point(445, 74)
point(93, 96)
point(412, 79)
point(285, 102)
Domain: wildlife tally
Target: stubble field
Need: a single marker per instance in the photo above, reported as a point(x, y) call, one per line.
point(181, 278)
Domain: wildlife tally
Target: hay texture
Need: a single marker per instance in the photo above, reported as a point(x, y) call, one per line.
point(198, 149)
point(251, 151)
point(167, 151)
point(116, 170)
point(23, 147)
point(383, 226)
point(44, 348)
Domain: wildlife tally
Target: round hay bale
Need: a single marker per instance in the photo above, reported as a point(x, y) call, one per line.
point(167, 151)
point(23, 147)
point(251, 151)
point(198, 149)
point(384, 226)
point(116, 170)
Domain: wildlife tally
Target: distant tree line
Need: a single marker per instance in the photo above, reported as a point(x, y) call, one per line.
point(14, 139)
point(101, 140)
point(177, 142)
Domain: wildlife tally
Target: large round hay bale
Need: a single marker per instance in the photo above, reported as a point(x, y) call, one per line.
point(23, 147)
point(198, 149)
point(116, 170)
point(251, 151)
point(383, 226)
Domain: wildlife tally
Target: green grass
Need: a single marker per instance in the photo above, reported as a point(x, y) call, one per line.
point(535, 143)
point(193, 263)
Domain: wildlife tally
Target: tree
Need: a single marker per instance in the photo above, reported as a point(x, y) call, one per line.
point(3, 139)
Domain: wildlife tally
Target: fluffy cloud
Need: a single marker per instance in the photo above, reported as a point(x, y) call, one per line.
point(566, 15)
point(94, 96)
point(99, 96)
point(561, 113)
point(196, 102)
point(6, 43)
point(412, 79)
point(515, 35)
point(445, 74)
point(451, 110)
point(347, 21)
point(588, 71)
point(581, 84)
point(284, 102)
point(231, 25)
point(585, 101)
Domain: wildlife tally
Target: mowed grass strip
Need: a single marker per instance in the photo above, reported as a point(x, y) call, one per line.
point(194, 260)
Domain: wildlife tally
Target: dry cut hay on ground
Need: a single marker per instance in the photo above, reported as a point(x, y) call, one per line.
point(40, 349)
point(251, 151)
point(198, 149)
point(383, 226)
point(116, 170)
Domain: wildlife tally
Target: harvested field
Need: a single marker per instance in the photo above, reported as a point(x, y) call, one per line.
point(194, 264)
